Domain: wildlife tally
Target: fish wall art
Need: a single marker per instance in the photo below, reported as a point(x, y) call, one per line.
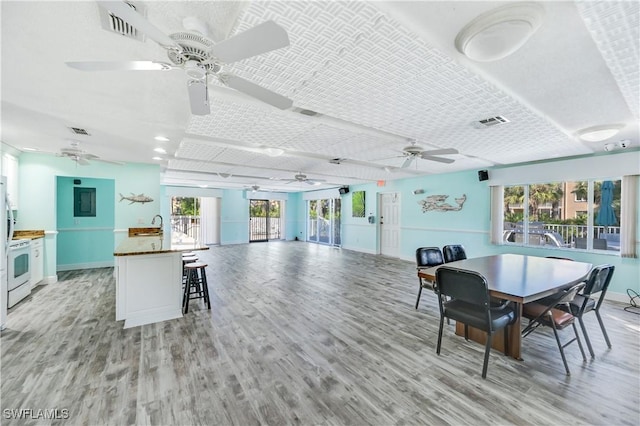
point(437, 203)
point(140, 198)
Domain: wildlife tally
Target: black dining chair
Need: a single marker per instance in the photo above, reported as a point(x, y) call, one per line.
point(584, 302)
point(469, 304)
point(453, 252)
point(427, 257)
point(545, 312)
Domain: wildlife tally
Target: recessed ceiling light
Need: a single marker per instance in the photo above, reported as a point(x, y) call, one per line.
point(157, 158)
point(29, 149)
point(160, 150)
point(599, 133)
point(162, 138)
point(499, 32)
point(203, 186)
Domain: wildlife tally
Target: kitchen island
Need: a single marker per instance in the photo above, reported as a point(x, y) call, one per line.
point(148, 271)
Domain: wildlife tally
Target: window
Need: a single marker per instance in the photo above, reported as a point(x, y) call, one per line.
point(553, 215)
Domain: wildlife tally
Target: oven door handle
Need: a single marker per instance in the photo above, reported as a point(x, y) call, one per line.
point(10, 230)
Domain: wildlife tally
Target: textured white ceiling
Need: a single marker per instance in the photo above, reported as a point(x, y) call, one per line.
point(378, 73)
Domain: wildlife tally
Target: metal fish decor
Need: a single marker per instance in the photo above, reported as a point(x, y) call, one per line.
point(140, 198)
point(437, 203)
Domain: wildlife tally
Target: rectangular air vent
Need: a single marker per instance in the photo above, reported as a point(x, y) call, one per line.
point(492, 121)
point(79, 131)
point(113, 23)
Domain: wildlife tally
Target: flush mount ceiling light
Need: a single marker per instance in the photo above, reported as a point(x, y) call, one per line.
point(499, 32)
point(160, 150)
point(162, 139)
point(599, 133)
point(273, 152)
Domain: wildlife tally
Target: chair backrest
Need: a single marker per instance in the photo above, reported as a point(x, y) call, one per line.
point(428, 256)
point(598, 281)
point(460, 284)
point(453, 253)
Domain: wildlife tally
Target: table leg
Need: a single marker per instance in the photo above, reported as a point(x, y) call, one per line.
point(515, 339)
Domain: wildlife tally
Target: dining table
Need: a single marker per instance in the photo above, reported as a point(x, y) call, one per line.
point(517, 278)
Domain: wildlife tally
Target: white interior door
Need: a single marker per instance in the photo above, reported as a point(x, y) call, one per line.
point(390, 224)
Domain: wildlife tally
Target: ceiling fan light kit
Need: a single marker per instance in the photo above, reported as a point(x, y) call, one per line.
point(500, 32)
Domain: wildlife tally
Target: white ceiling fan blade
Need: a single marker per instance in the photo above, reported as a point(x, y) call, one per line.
point(129, 15)
point(438, 159)
point(198, 97)
point(120, 66)
point(82, 161)
point(260, 39)
point(407, 162)
point(256, 91)
point(443, 151)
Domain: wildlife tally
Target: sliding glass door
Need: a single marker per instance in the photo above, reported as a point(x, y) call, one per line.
point(323, 221)
point(265, 220)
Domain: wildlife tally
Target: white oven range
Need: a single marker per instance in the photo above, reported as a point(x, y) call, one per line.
point(18, 270)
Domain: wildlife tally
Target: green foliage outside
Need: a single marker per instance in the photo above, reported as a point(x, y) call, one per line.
point(552, 193)
point(185, 206)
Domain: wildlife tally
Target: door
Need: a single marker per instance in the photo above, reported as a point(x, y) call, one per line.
point(390, 224)
point(323, 221)
point(258, 220)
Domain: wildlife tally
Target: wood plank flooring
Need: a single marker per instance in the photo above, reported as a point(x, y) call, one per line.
point(299, 334)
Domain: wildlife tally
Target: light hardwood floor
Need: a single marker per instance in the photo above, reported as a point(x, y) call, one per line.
point(299, 334)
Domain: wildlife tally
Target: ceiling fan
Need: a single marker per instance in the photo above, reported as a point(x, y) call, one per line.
point(299, 177)
point(198, 56)
point(80, 156)
point(414, 151)
point(253, 188)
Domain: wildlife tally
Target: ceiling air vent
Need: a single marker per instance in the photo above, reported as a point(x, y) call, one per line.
point(335, 160)
point(307, 112)
point(79, 131)
point(113, 23)
point(490, 122)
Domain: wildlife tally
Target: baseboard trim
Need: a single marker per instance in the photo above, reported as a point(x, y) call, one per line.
point(51, 279)
point(89, 265)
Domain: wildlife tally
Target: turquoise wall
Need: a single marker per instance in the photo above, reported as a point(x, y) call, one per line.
point(469, 226)
point(38, 175)
point(84, 240)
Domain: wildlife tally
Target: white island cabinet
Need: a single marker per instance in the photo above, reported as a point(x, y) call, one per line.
point(148, 281)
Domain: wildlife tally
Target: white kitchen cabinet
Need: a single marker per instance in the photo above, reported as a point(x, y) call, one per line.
point(37, 261)
point(10, 170)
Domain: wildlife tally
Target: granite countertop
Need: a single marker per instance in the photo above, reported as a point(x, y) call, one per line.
point(153, 245)
point(29, 234)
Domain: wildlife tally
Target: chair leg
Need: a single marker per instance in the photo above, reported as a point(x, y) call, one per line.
point(440, 334)
point(487, 350)
point(419, 293)
point(586, 337)
point(575, 330)
point(564, 359)
point(604, 332)
point(205, 288)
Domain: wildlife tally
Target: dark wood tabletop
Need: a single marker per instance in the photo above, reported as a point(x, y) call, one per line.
point(519, 278)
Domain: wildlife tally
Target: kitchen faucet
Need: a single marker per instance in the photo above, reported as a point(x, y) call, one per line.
point(153, 221)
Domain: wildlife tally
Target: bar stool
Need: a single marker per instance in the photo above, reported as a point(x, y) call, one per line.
point(187, 258)
point(196, 285)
